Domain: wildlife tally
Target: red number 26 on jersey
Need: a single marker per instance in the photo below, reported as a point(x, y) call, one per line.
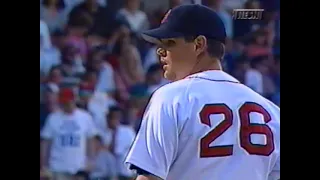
point(246, 129)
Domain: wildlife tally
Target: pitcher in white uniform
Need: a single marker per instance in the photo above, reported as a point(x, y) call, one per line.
point(205, 125)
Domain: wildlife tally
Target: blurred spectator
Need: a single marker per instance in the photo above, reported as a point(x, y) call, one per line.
point(154, 78)
point(54, 13)
point(118, 138)
point(48, 59)
point(258, 46)
point(253, 77)
point(50, 56)
point(67, 138)
point(233, 50)
point(130, 65)
point(54, 80)
point(269, 88)
point(79, 25)
point(240, 66)
point(50, 99)
point(72, 3)
point(96, 40)
point(96, 102)
point(98, 106)
point(58, 40)
point(103, 162)
point(136, 19)
point(133, 116)
point(152, 6)
point(45, 41)
point(97, 63)
point(151, 58)
point(224, 15)
point(258, 77)
point(136, 106)
point(72, 66)
point(102, 19)
point(86, 89)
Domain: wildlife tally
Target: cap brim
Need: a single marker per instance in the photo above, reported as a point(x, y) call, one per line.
point(155, 35)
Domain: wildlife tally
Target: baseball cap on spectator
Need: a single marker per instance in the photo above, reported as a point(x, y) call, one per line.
point(66, 95)
point(188, 20)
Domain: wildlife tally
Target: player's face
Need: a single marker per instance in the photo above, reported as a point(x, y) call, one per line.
point(177, 57)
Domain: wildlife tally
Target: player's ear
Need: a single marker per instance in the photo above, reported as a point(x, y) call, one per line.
point(200, 44)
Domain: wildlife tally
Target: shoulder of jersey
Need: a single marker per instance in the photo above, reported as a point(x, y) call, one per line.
point(171, 90)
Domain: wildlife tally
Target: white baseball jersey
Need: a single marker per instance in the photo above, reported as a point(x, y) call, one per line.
point(69, 134)
point(208, 126)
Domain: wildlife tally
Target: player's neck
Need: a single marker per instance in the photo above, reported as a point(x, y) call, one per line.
point(207, 65)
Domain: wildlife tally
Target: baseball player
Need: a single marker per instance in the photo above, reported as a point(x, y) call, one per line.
point(205, 125)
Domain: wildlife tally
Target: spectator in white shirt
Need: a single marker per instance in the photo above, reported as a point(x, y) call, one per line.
point(224, 15)
point(67, 139)
point(49, 58)
point(106, 83)
point(118, 138)
point(103, 163)
point(54, 13)
point(136, 19)
point(150, 58)
point(254, 80)
point(50, 55)
point(44, 35)
point(254, 77)
point(262, 64)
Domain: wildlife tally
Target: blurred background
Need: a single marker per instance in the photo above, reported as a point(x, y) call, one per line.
point(92, 48)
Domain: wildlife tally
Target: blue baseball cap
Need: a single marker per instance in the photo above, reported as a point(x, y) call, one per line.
point(188, 20)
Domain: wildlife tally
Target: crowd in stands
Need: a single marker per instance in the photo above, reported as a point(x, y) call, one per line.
point(91, 52)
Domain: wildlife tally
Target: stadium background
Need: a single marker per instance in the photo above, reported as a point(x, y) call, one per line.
point(95, 51)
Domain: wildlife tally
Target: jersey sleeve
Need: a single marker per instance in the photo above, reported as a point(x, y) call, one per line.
point(155, 146)
point(47, 131)
point(275, 173)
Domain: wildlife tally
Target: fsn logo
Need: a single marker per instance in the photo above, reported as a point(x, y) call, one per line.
point(245, 14)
